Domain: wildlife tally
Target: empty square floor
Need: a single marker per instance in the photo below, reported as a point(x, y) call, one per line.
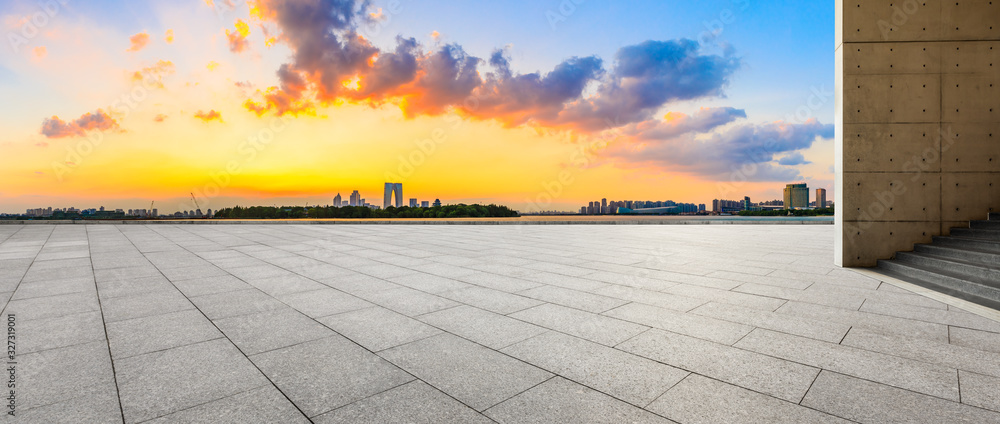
point(475, 323)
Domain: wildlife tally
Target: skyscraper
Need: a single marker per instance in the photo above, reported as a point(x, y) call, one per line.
point(356, 198)
point(820, 197)
point(604, 205)
point(425, 204)
point(746, 203)
point(796, 196)
point(336, 201)
point(413, 203)
point(391, 188)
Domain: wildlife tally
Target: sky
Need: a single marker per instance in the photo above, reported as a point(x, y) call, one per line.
point(538, 105)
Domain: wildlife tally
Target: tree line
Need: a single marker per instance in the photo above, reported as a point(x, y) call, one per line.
point(360, 212)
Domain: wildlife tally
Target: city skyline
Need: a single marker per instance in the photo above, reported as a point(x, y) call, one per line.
point(223, 100)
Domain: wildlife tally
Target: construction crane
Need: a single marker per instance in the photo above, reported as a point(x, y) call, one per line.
point(149, 214)
point(195, 202)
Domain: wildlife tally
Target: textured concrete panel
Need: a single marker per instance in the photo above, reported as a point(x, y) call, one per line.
point(918, 91)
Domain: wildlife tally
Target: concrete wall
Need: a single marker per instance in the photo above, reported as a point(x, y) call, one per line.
point(918, 122)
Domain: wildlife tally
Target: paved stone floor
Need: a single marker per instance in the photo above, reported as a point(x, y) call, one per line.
point(412, 323)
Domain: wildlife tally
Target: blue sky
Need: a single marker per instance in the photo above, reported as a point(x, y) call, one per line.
point(692, 112)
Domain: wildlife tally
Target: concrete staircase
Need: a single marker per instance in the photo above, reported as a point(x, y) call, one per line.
point(965, 264)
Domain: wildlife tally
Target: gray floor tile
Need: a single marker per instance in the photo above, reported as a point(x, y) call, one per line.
point(820, 330)
point(62, 331)
point(378, 328)
point(428, 283)
point(597, 328)
point(490, 299)
point(562, 401)
point(269, 330)
point(235, 303)
point(874, 322)
point(975, 339)
point(486, 328)
point(692, 325)
point(949, 355)
point(210, 285)
point(284, 284)
point(323, 302)
point(501, 282)
point(574, 299)
point(143, 305)
point(95, 407)
point(765, 374)
point(53, 306)
point(58, 375)
point(631, 378)
point(408, 301)
point(328, 373)
point(654, 298)
point(149, 334)
point(864, 401)
point(687, 401)
point(921, 377)
point(476, 376)
point(152, 385)
point(980, 390)
point(414, 402)
point(260, 405)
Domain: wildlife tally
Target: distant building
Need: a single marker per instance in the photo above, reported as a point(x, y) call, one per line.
point(701, 207)
point(390, 189)
point(437, 203)
point(796, 196)
point(425, 204)
point(820, 198)
point(413, 203)
point(356, 198)
point(604, 205)
point(337, 201)
point(746, 203)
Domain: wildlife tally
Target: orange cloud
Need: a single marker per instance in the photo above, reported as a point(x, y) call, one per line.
point(160, 117)
point(138, 41)
point(57, 128)
point(209, 116)
point(40, 52)
point(153, 75)
point(238, 38)
point(169, 37)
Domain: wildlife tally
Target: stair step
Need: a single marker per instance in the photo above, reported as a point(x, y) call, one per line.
point(943, 282)
point(962, 253)
point(967, 243)
point(981, 234)
point(985, 225)
point(953, 267)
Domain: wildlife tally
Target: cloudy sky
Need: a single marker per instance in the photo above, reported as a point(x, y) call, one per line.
point(540, 104)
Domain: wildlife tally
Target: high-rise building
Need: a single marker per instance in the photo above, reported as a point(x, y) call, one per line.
point(820, 198)
point(746, 203)
point(796, 196)
point(356, 198)
point(413, 203)
point(391, 188)
point(701, 207)
point(336, 201)
point(715, 205)
point(604, 205)
point(425, 204)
